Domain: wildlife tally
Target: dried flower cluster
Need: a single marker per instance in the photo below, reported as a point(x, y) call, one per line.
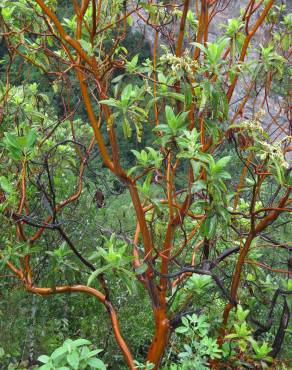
point(274, 151)
point(179, 65)
point(267, 150)
point(254, 124)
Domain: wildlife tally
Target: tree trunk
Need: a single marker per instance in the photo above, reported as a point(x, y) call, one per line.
point(161, 336)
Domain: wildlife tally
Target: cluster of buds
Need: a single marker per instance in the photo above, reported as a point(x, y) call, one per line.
point(179, 65)
point(275, 152)
point(177, 12)
point(254, 124)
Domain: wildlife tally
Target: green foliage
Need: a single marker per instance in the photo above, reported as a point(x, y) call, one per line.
point(271, 60)
point(73, 355)
point(127, 106)
point(151, 159)
point(114, 259)
point(20, 147)
point(213, 52)
point(175, 123)
point(46, 161)
point(147, 366)
point(244, 340)
point(198, 346)
point(193, 290)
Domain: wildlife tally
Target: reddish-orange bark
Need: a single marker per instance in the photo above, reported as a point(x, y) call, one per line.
point(178, 208)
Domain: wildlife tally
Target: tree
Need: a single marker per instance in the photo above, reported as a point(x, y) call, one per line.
point(210, 179)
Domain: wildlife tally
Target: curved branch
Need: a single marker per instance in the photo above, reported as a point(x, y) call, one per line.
point(101, 297)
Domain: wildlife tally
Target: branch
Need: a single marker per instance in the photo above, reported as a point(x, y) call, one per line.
point(263, 328)
point(198, 271)
point(74, 250)
point(101, 297)
point(279, 338)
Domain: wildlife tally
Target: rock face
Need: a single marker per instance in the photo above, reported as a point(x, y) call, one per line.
point(275, 121)
point(232, 10)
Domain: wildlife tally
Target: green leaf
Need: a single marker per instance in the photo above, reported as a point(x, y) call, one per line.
point(126, 93)
point(141, 269)
point(96, 363)
point(224, 214)
point(200, 46)
point(209, 226)
point(223, 161)
point(117, 79)
point(82, 342)
point(44, 97)
point(225, 175)
point(170, 117)
point(6, 185)
point(130, 20)
point(48, 366)
point(241, 314)
point(44, 359)
point(162, 82)
point(132, 65)
point(198, 186)
point(127, 128)
point(279, 173)
point(110, 102)
point(93, 353)
point(175, 96)
point(86, 46)
point(12, 140)
point(182, 118)
point(136, 154)
point(73, 359)
point(181, 329)
point(58, 352)
point(96, 273)
point(231, 336)
point(31, 138)
point(185, 321)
